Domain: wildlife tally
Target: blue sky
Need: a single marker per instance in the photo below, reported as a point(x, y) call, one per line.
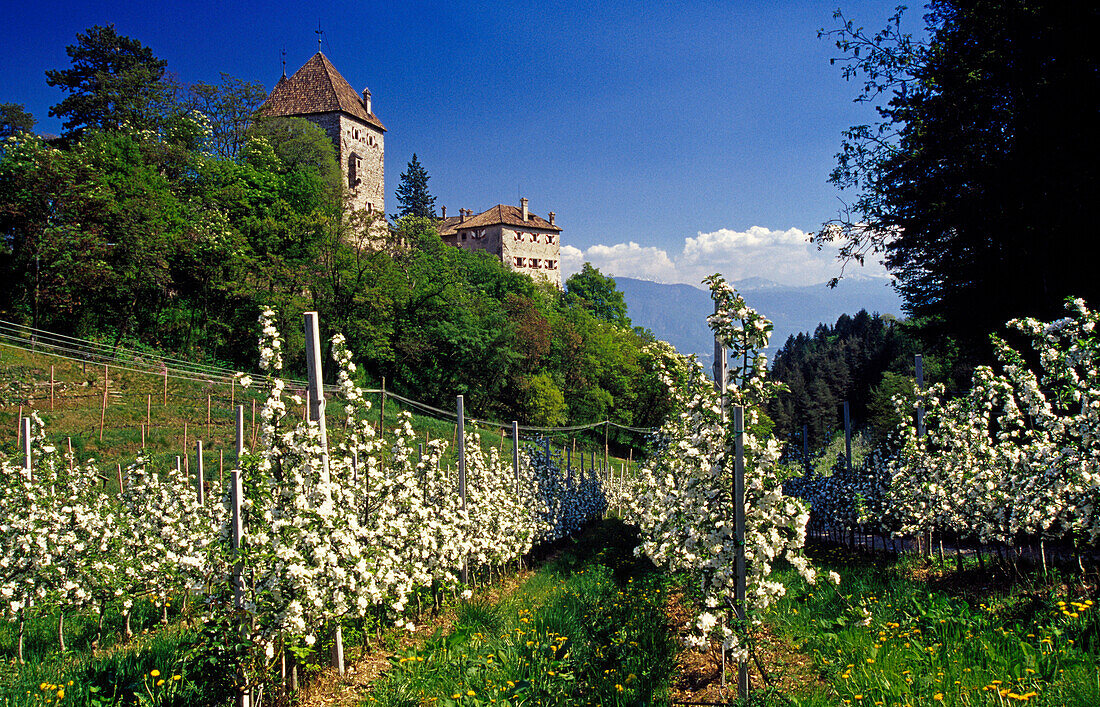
point(671, 140)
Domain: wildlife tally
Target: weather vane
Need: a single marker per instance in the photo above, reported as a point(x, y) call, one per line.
point(318, 32)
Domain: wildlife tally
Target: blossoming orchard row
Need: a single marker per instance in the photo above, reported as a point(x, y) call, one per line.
point(328, 533)
point(684, 500)
point(1017, 457)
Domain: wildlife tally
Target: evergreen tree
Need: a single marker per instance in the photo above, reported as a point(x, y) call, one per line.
point(412, 193)
point(15, 119)
point(114, 81)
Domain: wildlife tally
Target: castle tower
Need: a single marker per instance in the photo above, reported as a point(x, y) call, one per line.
point(318, 93)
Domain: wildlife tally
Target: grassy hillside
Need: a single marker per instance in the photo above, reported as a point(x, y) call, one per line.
point(138, 411)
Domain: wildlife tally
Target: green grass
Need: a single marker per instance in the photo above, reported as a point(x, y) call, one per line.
point(587, 629)
point(115, 674)
point(891, 635)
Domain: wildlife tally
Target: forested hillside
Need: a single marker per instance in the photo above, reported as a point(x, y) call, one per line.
point(862, 359)
point(166, 218)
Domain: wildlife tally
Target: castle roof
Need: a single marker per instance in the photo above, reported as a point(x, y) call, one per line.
point(500, 214)
point(317, 87)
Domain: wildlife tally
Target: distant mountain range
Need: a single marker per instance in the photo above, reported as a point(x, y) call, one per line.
point(678, 313)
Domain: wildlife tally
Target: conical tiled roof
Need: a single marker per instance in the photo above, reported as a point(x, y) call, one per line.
point(317, 87)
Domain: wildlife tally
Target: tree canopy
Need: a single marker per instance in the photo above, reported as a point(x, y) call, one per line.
point(113, 81)
point(598, 294)
point(15, 119)
point(976, 182)
point(412, 192)
point(228, 107)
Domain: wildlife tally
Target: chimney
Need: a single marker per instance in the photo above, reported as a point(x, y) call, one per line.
point(551, 215)
point(366, 98)
point(523, 203)
point(461, 215)
point(444, 211)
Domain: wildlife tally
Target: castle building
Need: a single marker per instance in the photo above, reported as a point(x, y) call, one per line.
point(318, 93)
point(524, 242)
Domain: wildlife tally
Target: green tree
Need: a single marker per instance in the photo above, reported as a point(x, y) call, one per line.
point(412, 192)
point(301, 150)
point(598, 294)
point(976, 180)
point(15, 119)
point(545, 405)
point(228, 107)
point(113, 81)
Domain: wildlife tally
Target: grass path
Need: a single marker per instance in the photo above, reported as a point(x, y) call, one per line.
point(587, 628)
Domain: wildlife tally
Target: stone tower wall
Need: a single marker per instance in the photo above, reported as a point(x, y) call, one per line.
point(355, 140)
point(365, 144)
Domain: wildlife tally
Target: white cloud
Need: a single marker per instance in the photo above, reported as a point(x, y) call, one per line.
point(786, 257)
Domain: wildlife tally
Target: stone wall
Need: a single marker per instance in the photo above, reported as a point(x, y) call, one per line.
point(533, 252)
point(361, 144)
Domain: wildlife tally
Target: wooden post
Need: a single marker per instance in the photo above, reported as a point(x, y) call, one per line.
point(316, 411)
point(461, 435)
point(721, 369)
point(149, 413)
point(806, 449)
point(847, 435)
point(27, 468)
point(103, 410)
point(232, 393)
point(70, 441)
point(919, 363)
point(515, 452)
point(143, 436)
point(240, 433)
point(382, 410)
point(208, 414)
point(51, 387)
point(118, 469)
point(739, 535)
point(165, 385)
point(221, 468)
point(19, 427)
point(253, 424)
point(316, 389)
point(236, 494)
point(185, 435)
point(606, 454)
point(199, 473)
